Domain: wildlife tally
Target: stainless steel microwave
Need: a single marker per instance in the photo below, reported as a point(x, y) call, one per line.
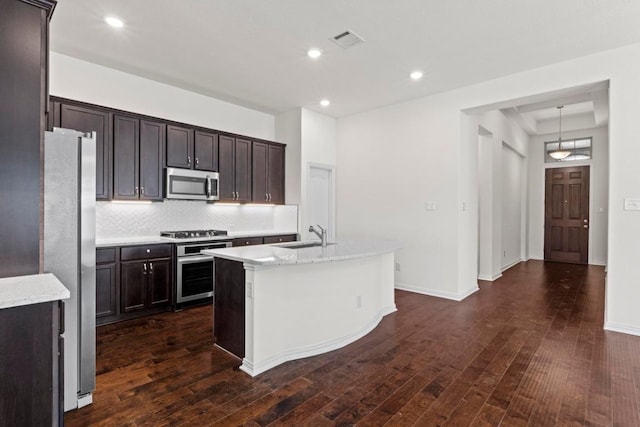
point(190, 184)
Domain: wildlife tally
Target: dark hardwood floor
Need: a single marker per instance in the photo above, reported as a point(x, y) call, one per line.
point(528, 349)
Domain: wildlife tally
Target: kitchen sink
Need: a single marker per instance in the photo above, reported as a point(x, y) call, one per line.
point(301, 245)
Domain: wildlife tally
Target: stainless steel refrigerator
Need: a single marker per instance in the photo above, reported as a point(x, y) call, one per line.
point(70, 251)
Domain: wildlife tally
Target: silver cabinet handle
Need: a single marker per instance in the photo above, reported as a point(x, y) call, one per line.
point(142, 191)
point(269, 196)
point(150, 268)
point(266, 197)
point(197, 162)
point(144, 268)
point(585, 226)
point(148, 251)
point(135, 191)
point(189, 160)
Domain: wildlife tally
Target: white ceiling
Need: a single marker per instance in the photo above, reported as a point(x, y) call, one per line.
point(253, 52)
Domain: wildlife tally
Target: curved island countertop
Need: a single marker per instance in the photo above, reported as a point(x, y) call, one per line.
point(290, 253)
point(275, 303)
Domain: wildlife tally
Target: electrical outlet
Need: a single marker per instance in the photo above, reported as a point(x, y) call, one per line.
point(397, 266)
point(631, 204)
point(430, 206)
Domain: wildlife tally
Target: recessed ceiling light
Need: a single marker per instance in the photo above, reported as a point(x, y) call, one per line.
point(416, 75)
point(114, 22)
point(314, 53)
point(325, 102)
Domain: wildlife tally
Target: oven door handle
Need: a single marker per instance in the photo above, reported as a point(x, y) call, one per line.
point(191, 259)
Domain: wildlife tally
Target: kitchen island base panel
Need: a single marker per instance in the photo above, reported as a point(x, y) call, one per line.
point(297, 311)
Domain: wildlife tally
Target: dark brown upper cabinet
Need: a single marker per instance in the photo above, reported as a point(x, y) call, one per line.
point(87, 119)
point(180, 147)
point(137, 148)
point(235, 169)
point(268, 173)
point(205, 151)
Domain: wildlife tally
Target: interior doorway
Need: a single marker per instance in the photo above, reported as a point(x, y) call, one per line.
point(321, 199)
point(566, 223)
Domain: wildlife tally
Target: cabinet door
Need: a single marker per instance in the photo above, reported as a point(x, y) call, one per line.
point(205, 150)
point(133, 285)
point(179, 147)
point(152, 137)
point(89, 120)
point(275, 174)
point(242, 157)
point(226, 167)
point(159, 282)
point(126, 185)
point(259, 163)
point(105, 290)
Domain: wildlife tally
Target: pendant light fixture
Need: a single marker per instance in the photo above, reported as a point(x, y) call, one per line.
point(560, 154)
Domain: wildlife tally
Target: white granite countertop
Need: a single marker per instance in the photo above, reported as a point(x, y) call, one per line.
point(32, 289)
point(147, 240)
point(287, 253)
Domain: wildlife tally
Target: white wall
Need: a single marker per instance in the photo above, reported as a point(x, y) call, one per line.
point(288, 131)
point(598, 198)
point(88, 82)
point(395, 158)
point(502, 242)
point(512, 197)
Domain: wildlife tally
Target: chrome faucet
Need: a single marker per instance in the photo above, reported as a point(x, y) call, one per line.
point(322, 234)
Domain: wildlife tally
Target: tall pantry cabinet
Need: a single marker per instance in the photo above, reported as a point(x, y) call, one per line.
point(24, 28)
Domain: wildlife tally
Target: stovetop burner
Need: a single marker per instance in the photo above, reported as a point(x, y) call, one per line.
point(187, 234)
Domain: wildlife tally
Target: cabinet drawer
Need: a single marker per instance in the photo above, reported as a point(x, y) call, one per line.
point(280, 239)
point(145, 252)
point(248, 241)
point(105, 255)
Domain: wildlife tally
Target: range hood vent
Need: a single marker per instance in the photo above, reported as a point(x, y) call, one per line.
point(347, 39)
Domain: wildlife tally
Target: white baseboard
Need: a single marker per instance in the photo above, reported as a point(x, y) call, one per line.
point(616, 327)
point(508, 266)
point(436, 292)
point(254, 369)
point(489, 278)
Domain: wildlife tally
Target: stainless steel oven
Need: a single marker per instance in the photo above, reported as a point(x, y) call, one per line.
point(195, 272)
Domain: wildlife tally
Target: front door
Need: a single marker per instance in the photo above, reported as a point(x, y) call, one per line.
point(566, 224)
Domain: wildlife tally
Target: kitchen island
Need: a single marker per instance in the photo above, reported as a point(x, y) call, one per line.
point(281, 302)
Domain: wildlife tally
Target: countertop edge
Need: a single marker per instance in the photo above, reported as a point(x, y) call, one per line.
point(252, 262)
point(151, 240)
point(31, 289)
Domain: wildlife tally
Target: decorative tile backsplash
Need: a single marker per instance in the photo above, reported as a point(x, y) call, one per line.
point(138, 219)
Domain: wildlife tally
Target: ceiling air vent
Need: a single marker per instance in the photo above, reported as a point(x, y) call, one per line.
point(347, 39)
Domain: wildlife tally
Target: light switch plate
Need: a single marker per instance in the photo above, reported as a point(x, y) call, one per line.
point(631, 204)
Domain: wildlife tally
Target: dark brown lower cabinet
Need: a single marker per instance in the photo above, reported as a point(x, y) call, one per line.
point(249, 241)
point(31, 385)
point(133, 281)
point(145, 284)
point(106, 289)
point(280, 239)
point(229, 308)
